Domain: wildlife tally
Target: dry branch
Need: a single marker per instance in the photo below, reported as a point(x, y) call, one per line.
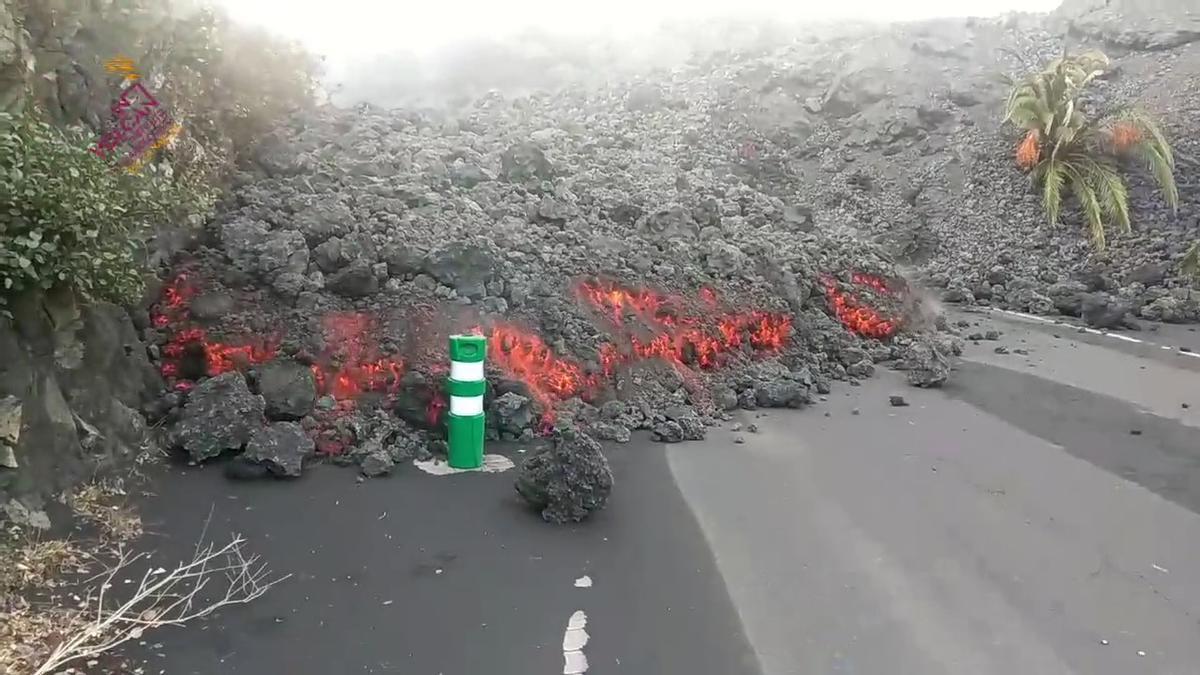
point(163, 598)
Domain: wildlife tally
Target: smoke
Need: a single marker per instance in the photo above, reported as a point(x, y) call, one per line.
point(390, 52)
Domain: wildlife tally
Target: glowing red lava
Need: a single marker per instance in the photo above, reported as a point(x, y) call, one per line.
point(190, 350)
point(523, 356)
point(876, 283)
point(678, 337)
point(686, 334)
point(351, 364)
point(854, 313)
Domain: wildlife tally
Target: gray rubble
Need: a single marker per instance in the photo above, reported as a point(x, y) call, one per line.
point(771, 178)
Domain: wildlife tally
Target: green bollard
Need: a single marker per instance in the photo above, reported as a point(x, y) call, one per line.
point(466, 386)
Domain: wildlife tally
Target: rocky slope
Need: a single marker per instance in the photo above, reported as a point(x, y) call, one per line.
point(628, 276)
point(648, 251)
point(607, 236)
point(894, 132)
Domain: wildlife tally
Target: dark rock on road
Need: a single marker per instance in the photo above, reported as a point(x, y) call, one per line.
point(220, 414)
point(567, 480)
point(281, 447)
point(925, 364)
point(1103, 311)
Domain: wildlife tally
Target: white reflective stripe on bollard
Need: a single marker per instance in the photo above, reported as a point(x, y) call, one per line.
point(465, 406)
point(466, 371)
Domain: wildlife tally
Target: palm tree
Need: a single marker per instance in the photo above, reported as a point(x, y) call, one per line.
point(1064, 150)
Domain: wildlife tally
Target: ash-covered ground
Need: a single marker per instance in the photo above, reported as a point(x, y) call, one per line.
point(644, 254)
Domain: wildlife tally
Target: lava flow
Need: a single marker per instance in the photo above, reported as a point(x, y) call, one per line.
point(854, 313)
point(351, 364)
point(680, 338)
point(525, 357)
point(189, 353)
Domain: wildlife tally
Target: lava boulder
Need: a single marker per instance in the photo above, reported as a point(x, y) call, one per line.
point(356, 280)
point(567, 480)
point(280, 447)
point(463, 267)
point(927, 366)
point(1101, 310)
point(511, 413)
point(667, 431)
point(691, 427)
point(781, 393)
point(221, 414)
point(378, 462)
point(525, 162)
point(611, 431)
point(288, 388)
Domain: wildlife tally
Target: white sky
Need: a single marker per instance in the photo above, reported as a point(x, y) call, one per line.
point(348, 29)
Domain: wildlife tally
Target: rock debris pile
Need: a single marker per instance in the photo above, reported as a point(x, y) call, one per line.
point(646, 255)
point(628, 274)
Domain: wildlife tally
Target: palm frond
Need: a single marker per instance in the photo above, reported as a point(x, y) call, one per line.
point(1163, 171)
point(1110, 189)
point(1190, 263)
point(1085, 194)
point(1151, 128)
point(1078, 152)
point(1053, 178)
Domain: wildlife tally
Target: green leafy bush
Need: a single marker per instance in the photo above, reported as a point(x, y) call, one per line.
point(1066, 151)
point(68, 218)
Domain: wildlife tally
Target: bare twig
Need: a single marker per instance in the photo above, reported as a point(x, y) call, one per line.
point(163, 598)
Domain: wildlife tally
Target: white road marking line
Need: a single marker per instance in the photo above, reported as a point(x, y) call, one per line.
point(575, 638)
point(439, 467)
point(1093, 331)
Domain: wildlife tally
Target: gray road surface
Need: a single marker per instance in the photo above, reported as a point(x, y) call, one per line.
point(1011, 523)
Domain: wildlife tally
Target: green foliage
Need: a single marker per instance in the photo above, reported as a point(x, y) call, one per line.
point(1066, 151)
point(72, 219)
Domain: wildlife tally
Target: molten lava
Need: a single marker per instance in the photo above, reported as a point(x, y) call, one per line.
point(677, 336)
point(686, 333)
point(523, 356)
point(349, 367)
point(351, 364)
point(854, 313)
point(189, 353)
point(875, 283)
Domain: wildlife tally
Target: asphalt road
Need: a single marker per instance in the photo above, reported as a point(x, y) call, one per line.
point(1010, 523)
point(448, 575)
point(1037, 515)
